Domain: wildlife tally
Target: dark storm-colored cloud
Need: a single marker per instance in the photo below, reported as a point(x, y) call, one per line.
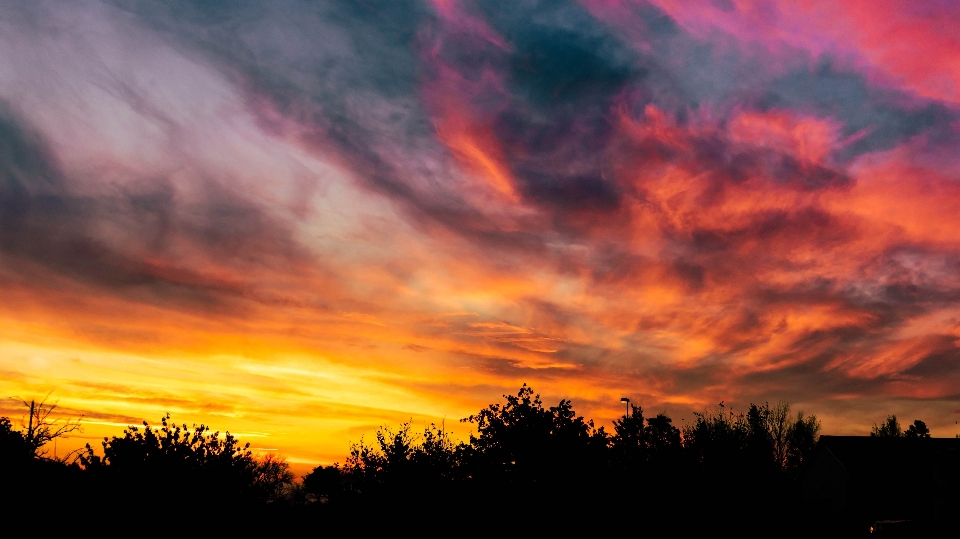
point(943, 361)
point(882, 117)
point(28, 171)
point(348, 74)
point(331, 66)
point(126, 238)
point(556, 122)
point(351, 75)
point(563, 69)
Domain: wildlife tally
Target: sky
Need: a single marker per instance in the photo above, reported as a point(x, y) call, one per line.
point(301, 220)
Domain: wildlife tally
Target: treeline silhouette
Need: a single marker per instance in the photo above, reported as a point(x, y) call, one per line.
point(548, 464)
point(545, 464)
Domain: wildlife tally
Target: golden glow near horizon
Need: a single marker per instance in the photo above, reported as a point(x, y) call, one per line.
point(301, 238)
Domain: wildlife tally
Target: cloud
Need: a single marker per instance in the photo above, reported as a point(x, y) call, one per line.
point(133, 236)
point(691, 201)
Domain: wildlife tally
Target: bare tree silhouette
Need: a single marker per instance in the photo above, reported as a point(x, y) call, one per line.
point(40, 427)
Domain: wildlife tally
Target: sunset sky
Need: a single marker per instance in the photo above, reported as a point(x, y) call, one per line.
point(301, 220)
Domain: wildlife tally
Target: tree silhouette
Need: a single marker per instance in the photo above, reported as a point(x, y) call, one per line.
point(716, 438)
point(326, 484)
point(525, 459)
point(31, 480)
point(662, 438)
point(760, 444)
point(272, 477)
point(802, 440)
point(39, 428)
point(888, 429)
point(634, 446)
point(779, 425)
point(917, 430)
point(523, 444)
point(628, 443)
point(664, 476)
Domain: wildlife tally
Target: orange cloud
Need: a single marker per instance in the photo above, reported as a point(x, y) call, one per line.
point(424, 210)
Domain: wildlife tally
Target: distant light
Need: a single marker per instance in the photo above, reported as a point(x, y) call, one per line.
point(624, 400)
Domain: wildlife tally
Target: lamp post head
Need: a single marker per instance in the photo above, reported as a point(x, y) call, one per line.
point(624, 400)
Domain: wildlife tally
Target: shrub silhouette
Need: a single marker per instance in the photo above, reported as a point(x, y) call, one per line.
point(401, 464)
point(183, 467)
point(15, 449)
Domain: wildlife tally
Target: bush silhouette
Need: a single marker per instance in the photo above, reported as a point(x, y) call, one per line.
point(183, 467)
point(400, 466)
point(14, 447)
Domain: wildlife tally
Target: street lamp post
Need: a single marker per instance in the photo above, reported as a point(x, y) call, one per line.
point(626, 413)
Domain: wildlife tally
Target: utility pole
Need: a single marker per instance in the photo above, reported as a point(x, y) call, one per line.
point(30, 422)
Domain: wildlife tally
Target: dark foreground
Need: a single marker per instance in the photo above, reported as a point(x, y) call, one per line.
point(529, 469)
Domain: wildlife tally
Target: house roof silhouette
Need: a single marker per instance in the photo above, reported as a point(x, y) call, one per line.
point(866, 479)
